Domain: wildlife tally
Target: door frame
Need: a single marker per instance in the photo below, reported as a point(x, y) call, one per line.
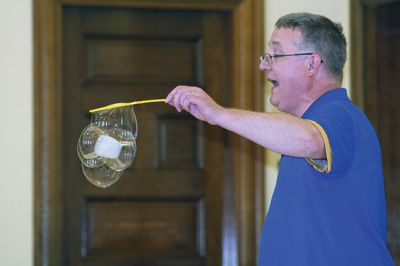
point(247, 93)
point(364, 19)
point(360, 10)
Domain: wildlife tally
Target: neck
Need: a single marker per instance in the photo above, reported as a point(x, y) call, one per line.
point(316, 90)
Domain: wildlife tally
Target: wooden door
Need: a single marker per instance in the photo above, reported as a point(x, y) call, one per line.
point(381, 101)
point(166, 208)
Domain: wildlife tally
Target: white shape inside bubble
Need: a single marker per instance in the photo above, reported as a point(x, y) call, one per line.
point(107, 147)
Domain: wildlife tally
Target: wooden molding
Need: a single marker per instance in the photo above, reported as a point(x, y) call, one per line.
point(356, 51)
point(372, 3)
point(359, 9)
point(47, 133)
point(248, 94)
point(177, 4)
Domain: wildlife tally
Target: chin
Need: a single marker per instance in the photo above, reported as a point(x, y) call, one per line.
point(273, 101)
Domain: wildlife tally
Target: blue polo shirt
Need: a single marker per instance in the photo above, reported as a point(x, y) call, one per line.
point(330, 212)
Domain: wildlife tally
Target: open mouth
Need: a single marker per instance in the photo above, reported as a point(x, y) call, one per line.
point(274, 83)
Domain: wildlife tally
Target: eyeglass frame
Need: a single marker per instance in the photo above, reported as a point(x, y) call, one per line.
point(268, 58)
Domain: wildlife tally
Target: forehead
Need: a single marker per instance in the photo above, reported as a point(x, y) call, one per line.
point(285, 38)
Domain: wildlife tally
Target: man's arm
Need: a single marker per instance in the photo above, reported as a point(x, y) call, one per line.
point(280, 132)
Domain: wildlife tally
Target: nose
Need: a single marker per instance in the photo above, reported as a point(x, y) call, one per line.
point(263, 66)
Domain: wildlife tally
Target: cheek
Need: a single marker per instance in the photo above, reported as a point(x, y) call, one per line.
point(286, 83)
point(289, 89)
point(292, 78)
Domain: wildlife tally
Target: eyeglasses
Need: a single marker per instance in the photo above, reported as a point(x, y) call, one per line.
point(267, 58)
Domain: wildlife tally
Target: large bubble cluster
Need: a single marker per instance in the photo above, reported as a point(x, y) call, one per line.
point(107, 146)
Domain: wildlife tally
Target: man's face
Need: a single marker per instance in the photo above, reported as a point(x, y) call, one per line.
point(287, 74)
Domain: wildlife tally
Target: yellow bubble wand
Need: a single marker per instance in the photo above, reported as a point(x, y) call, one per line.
point(116, 105)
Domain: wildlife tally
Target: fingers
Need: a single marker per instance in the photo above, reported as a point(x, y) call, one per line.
point(170, 96)
point(195, 101)
point(173, 98)
point(185, 101)
point(182, 96)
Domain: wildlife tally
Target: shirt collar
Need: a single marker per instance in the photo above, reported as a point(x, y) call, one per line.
point(329, 96)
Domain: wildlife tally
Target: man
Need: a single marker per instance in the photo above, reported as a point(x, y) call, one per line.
point(328, 206)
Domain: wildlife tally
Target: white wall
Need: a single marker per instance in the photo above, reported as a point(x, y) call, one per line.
point(16, 238)
point(336, 10)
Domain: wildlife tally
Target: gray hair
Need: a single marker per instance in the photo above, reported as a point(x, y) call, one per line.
point(319, 33)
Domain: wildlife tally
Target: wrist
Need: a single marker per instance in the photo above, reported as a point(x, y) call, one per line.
point(221, 115)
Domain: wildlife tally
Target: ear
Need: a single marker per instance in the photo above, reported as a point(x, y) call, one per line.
point(313, 64)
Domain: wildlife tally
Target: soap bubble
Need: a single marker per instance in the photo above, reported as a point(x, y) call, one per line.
point(107, 146)
point(90, 160)
point(123, 118)
point(101, 176)
point(127, 152)
point(125, 157)
point(86, 146)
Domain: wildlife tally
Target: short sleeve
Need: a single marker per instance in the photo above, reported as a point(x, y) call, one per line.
point(335, 122)
point(325, 165)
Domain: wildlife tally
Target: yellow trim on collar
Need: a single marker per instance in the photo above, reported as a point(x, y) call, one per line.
point(322, 168)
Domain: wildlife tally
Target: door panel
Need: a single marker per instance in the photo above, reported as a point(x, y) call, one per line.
point(382, 96)
point(142, 226)
point(163, 210)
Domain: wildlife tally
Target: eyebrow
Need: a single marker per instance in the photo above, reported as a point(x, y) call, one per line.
point(275, 46)
point(275, 43)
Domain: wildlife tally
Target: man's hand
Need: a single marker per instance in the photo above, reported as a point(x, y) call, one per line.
point(195, 101)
